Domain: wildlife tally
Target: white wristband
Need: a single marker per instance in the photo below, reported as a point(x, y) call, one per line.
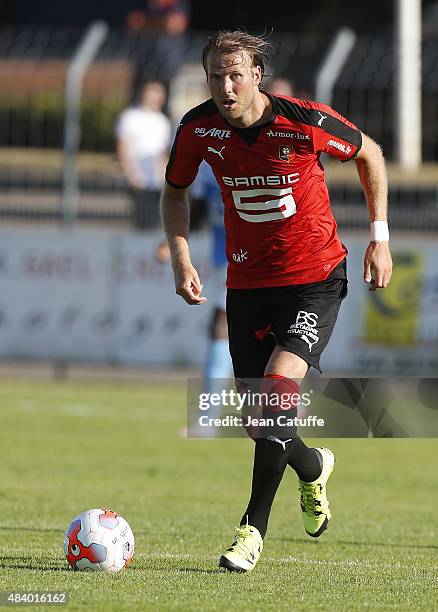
point(379, 231)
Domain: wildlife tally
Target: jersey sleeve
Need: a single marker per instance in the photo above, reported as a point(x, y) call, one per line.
point(334, 134)
point(184, 159)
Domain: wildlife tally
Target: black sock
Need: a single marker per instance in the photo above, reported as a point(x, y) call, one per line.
point(270, 461)
point(304, 460)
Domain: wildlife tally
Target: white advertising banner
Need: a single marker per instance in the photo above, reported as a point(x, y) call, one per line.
point(154, 324)
point(97, 296)
point(54, 289)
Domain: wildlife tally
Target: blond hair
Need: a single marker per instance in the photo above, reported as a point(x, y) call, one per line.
point(227, 42)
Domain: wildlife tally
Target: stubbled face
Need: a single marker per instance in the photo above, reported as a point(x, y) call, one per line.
point(233, 84)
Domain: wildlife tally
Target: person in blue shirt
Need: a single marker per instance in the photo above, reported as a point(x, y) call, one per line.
point(217, 367)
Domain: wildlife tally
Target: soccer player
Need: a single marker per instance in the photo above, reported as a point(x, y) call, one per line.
point(286, 265)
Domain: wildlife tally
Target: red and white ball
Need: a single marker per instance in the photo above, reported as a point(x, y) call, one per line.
point(99, 540)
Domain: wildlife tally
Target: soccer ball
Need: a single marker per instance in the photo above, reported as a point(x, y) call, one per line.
point(99, 540)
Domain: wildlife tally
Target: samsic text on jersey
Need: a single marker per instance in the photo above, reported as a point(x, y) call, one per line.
point(280, 228)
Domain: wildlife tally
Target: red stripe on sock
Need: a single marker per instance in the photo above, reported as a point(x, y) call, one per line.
point(277, 388)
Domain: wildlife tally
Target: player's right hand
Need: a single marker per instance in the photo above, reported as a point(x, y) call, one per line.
point(188, 286)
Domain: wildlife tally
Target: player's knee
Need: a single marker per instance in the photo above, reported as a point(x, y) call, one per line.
point(279, 393)
point(280, 397)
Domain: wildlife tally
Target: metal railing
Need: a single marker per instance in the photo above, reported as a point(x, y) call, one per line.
point(33, 70)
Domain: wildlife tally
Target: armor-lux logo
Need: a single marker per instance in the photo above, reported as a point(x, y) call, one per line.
point(214, 132)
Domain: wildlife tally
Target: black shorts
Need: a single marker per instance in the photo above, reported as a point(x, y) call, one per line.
point(298, 318)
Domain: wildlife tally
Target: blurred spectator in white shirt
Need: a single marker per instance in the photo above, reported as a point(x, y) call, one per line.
point(143, 135)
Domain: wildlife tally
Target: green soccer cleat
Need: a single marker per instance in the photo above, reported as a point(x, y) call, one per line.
point(313, 497)
point(244, 552)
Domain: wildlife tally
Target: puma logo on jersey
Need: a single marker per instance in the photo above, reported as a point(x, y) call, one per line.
point(211, 150)
point(322, 118)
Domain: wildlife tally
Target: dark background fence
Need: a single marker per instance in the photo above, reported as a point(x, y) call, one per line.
point(33, 66)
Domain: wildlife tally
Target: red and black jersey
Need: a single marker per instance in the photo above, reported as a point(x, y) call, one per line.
point(279, 225)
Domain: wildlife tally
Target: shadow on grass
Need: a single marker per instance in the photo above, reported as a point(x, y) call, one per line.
point(295, 540)
point(200, 570)
point(40, 565)
point(165, 567)
point(387, 545)
point(54, 530)
point(32, 529)
point(355, 543)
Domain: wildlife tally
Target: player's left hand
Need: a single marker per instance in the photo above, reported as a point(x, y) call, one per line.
point(377, 265)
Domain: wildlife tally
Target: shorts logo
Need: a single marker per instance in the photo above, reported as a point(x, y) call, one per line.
point(305, 327)
point(286, 153)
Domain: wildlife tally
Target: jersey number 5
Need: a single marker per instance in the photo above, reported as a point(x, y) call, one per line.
point(259, 205)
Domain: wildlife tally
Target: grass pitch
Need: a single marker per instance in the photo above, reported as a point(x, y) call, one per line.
point(66, 447)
